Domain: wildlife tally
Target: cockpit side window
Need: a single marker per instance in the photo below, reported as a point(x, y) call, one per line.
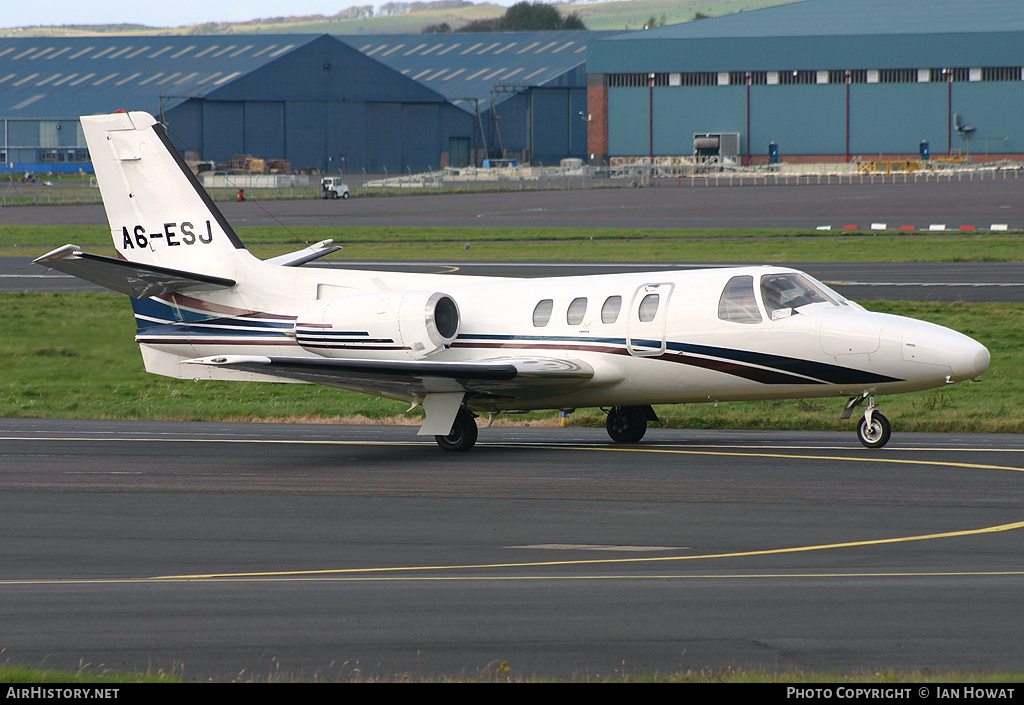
point(737, 303)
point(791, 291)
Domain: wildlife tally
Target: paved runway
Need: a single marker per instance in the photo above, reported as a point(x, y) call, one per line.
point(245, 549)
point(979, 202)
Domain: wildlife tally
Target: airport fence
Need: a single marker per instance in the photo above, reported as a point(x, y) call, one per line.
point(630, 175)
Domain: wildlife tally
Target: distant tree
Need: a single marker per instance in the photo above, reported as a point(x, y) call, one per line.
point(490, 25)
point(209, 28)
point(702, 16)
point(653, 22)
point(355, 13)
point(573, 21)
point(530, 17)
point(443, 28)
point(525, 17)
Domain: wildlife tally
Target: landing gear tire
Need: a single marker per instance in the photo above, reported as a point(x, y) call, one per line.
point(627, 424)
point(463, 434)
point(876, 433)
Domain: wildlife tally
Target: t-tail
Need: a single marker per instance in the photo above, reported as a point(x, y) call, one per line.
point(158, 213)
point(177, 257)
point(171, 240)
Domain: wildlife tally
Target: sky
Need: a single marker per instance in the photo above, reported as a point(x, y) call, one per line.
point(19, 13)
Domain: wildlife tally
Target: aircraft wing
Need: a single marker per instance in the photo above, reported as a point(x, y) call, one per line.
point(495, 377)
point(132, 278)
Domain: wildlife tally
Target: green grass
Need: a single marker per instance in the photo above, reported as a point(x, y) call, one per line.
point(504, 674)
point(573, 244)
point(70, 355)
point(32, 676)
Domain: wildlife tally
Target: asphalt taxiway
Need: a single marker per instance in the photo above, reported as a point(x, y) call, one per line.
point(980, 201)
point(241, 550)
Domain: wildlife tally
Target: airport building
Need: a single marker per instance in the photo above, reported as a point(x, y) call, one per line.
point(394, 104)
point(827, 80)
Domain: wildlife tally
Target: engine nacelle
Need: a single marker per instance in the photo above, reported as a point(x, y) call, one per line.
point(391, 324)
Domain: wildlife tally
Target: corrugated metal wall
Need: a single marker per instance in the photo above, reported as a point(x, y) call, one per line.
point(890, 118)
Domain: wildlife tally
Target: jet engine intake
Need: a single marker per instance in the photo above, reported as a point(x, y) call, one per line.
point(392, 324)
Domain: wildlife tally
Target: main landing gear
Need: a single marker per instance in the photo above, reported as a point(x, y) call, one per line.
point(463, 434)
point(873, 429)
point(628, 424)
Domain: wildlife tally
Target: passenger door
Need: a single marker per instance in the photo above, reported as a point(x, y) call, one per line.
point(647, 320)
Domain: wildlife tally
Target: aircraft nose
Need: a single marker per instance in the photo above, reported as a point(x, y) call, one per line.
point(969, 359)
point(929, 344)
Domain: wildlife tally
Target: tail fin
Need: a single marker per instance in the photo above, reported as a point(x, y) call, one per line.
point(158, 213)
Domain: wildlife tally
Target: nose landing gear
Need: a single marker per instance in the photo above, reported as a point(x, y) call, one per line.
point(873, 430)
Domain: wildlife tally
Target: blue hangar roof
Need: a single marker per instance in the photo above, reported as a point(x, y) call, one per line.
point(856, 17)
point(461, 66)
point(827, 34)
point(58, 76)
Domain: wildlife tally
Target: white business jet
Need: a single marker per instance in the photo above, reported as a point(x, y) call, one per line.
point(460, 346)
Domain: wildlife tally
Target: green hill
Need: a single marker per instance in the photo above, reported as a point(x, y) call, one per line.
point(624, 14)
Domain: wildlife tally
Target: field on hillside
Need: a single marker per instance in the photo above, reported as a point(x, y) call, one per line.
point(625, 14)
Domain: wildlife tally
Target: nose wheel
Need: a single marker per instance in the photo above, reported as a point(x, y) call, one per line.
point(873, 429)
point(874, 432)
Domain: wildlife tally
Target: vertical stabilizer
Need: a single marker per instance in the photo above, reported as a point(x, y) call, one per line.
point(158, 213)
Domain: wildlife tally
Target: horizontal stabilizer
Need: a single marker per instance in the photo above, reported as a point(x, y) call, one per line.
point(307, 254)
point(408, 379)
point(132, 278)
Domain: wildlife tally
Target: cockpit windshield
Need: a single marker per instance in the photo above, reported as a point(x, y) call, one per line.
point(789, 290)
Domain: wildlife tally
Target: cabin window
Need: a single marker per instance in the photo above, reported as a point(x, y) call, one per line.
point(542, 313)
point(791, 291)
point(610, 309)
point(577, 309)
point(649, 308)
point(738, 303)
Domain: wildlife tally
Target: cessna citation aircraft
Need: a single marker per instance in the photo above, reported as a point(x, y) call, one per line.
point(458, 345)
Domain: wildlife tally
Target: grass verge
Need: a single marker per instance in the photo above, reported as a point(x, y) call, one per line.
point(573, 244)
point(502, 674)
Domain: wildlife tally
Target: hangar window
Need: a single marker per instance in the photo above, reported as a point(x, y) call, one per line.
point(941, 75)
point(698, 78)
point(577, 309)
point(1001, 73)
point(798, 78)
point(542, 313)
point(610, 309)
point(637, 80)
point(737, 303)
point(897, 76)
